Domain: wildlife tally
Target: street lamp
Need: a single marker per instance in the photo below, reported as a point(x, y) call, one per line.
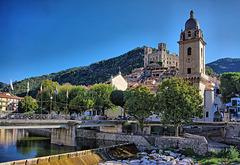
point(51, 104)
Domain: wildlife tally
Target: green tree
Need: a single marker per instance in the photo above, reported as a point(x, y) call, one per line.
point(101, 94)
point(81, 103)
point(48, 91)
point(209, 71)
point(139, 103)
point(62, 101)
point(79, 99)
point(177, 102)
point(117, 98)
point(230, 86)
point(27, 105)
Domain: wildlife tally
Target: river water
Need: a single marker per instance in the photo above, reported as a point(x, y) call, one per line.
point(19, 144)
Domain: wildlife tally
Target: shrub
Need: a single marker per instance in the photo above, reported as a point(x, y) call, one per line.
point(189, 152)
point(127, 127)
point(232, 153)
point(227, 153)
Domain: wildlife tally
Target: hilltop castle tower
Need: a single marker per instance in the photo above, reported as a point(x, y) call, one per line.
point(160, 55)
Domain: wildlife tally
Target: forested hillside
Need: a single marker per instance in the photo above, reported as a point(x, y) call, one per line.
point(86, 75)
point(2, 85)
point(225, 65)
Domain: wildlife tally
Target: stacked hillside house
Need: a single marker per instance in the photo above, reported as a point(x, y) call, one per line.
point(135, 76)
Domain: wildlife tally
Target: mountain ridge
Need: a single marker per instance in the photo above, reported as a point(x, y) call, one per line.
point(223, 65)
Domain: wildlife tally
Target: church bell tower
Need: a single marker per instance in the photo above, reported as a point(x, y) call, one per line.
point(191, 50)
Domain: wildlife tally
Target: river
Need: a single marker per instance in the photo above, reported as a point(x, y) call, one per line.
point(18, 144)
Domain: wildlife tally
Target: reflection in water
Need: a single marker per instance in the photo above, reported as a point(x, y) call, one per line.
point(20, 144)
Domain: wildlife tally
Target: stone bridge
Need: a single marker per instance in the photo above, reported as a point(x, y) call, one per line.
point(63, 131)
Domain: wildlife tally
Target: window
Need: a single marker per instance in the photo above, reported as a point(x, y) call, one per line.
point(189, 51)
point(234, 102)
point(189, 71)
point(189, 34)
point(207, 114)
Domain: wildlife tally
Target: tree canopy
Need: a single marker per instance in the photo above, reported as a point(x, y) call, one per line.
point(209, 71)
point(48, 92)
point(177, 102)
point(101, 94)
point(117, 98)
point(139, 103)
point(27, 105)
point(230, 86)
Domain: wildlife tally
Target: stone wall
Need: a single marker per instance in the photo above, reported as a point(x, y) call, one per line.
point(232, 130)
point(89, 134)
point(198, 143)
point(232, 133)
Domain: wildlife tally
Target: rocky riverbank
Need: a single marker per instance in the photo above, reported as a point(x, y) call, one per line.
point(154, 158)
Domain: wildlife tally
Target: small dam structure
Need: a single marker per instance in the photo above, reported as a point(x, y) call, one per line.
point(86, 157)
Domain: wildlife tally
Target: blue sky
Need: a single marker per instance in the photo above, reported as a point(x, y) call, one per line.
point(45, 36)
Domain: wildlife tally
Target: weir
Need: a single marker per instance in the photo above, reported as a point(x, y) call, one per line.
point(86, 157)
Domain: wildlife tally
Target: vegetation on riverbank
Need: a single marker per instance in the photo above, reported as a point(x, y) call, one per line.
point(227, 155)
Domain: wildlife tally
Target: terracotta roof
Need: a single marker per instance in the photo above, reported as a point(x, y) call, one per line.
point(133, 84)
point(209, 85)
point(158, 70)
point(107, 82)
point(10, 97)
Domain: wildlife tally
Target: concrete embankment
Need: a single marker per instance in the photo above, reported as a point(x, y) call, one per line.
point(86, 157)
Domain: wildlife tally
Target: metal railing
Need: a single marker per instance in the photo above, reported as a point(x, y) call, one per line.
point(22, 116)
